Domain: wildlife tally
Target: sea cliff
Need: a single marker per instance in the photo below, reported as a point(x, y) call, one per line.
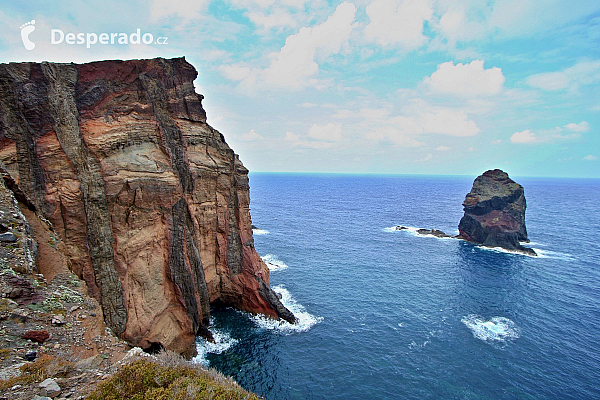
point(149, 202)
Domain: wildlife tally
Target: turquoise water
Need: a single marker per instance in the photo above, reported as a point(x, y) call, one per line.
point(391, 314)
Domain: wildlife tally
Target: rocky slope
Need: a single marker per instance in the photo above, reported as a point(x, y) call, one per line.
point(149, 202)
point(495, 213)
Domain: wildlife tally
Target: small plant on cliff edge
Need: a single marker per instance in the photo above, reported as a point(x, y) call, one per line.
point(145, 379)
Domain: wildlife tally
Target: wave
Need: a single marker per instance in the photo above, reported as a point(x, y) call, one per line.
point(507, 251)
point(257, 231)
point(273, 262)
point(305, 319)
point(554, 254)
point(223, 342)
point(497, 329)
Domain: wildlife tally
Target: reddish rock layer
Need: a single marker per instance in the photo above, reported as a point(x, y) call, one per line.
point(151, 203)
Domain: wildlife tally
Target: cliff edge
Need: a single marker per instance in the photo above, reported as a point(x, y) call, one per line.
point(150, 202)
point(495, 213)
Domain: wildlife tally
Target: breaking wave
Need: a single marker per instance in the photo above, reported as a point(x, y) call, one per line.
point(305, 319)
point(257, 231)
point(497, 329)
point(273, 262)
point(223, 342)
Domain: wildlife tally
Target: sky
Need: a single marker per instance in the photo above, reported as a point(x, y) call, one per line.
point(382, 86)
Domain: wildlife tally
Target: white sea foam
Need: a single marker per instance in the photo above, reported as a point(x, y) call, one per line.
point(554, 254)
point(257, 231)
point(273, 262)
point(507, 251)
point(497, 329)
point(409, 229)
point(305, 319)
point(223, 342)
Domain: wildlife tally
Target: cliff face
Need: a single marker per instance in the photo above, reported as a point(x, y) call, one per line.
point(495, 212)
point(151, 203)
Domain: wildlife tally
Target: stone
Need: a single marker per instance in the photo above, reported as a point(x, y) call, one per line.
point(11, 371)
point(37, 336)
point(49, 388)
point(58, 320)
point(433, 232)
point(8, 237)
point(36, 397)
point(30, 355)
point(150, 202)
point(494, 213)
point(92, 362)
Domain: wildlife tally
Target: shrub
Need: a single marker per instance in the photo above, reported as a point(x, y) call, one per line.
point(144, 379)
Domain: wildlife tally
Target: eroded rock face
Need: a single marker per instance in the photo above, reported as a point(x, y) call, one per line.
point(150, 201)
point(495, 212)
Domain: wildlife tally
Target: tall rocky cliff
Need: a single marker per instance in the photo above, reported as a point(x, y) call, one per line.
point(151, 203)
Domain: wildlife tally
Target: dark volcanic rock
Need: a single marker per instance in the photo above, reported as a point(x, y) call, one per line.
point(495, 213)
point(433, 232)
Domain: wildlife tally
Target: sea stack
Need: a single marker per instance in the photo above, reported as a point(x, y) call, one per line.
point(150, 202)
point(495, 213)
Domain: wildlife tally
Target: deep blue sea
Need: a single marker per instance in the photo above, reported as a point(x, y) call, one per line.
point(395, 315)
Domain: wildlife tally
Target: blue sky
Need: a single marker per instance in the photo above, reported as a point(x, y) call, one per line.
point(403, 86)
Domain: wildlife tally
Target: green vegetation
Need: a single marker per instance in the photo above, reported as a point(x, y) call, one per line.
point(177, 380)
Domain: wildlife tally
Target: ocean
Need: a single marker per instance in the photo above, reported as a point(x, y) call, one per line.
point(388, 314)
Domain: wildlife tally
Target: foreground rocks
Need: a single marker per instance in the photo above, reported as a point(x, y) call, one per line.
point(495, 213)
point(147, 203)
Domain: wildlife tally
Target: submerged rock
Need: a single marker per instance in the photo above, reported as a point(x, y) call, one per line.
point(433, 232)
point(495, 213)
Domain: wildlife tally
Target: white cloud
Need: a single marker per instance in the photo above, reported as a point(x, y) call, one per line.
point(310, 144)
point(393, 134)
point(427, 157)
point(525, 136)
point(468, 20)
point(295, 65)
point(291, 137)
point(374, 113)
point(251, 136)
point(443, 148)
point(308, 105)
point(400, 23)
point(551, 135)
point(344, 114)
point(160, 9)
point(583, 126)
point(580, 74)
point(448, 122)
point(276, 19)
point(465, 79)
point(590, 157)
point(498, 141)
point(330, 132)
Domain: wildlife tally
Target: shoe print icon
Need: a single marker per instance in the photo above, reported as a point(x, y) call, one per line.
point(26, 29)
